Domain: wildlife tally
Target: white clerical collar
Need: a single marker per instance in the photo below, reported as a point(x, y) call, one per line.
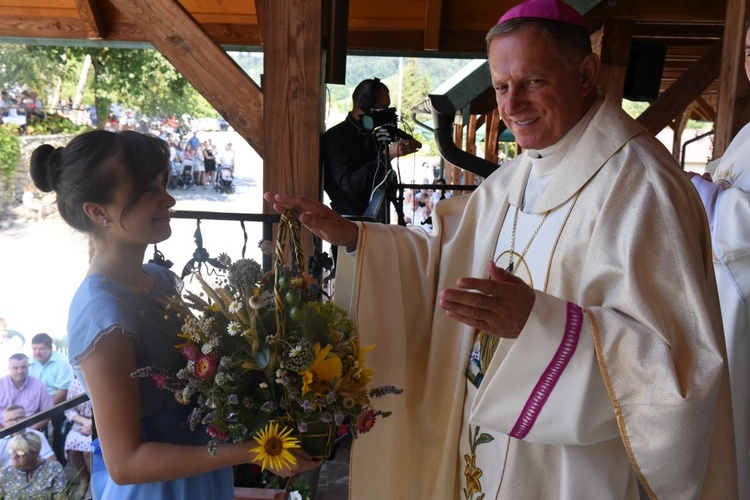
point(545, 162)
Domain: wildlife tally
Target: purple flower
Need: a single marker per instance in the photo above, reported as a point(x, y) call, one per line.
point(232, 399)
point(268, 406)
point(302, 426)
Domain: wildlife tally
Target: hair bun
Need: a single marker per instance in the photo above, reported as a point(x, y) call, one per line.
point(44, 167)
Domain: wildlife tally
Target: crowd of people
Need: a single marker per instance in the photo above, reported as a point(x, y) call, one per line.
point(22, 104)
point(32, 386)
point(198, 163)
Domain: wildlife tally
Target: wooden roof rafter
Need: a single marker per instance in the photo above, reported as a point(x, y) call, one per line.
point(177, 35)
point(91, 15)
point(432, 24)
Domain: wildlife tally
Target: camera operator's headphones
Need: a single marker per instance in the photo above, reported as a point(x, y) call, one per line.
point(367, 100)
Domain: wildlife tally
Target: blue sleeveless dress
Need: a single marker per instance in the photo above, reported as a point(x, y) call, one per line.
point(98, 306)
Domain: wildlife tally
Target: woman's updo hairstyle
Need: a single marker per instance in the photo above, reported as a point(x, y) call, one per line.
point(86, 171)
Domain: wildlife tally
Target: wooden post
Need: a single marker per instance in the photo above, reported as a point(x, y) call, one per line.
point(491, 135)
point(293, 93)
point(616, 39)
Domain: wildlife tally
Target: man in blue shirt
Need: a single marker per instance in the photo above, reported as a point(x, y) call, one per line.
point(51, 367)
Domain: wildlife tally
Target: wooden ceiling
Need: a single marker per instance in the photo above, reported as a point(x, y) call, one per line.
point(437, 28)
point(193, 32)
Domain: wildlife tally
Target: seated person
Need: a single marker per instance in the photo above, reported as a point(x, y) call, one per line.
point(12, 415)
point(78, 440)
point(18, 388)
point(51, 367)
point(30, 476)
point(54, 370)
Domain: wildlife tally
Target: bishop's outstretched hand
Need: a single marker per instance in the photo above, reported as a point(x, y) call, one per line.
point(318, 218)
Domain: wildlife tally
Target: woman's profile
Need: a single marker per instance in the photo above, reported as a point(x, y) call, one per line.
point(112, 187)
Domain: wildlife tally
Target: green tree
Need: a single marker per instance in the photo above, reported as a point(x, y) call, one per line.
point(144, 81)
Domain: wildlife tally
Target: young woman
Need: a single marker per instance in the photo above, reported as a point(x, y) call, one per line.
point(111, 186)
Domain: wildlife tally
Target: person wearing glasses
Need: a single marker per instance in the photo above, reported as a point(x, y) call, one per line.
point(30, 476)
point(11, 416)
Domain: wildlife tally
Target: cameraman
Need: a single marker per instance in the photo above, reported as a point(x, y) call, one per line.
point(354, 163)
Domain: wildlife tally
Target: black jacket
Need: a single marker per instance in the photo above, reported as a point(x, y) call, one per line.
point(351, 165)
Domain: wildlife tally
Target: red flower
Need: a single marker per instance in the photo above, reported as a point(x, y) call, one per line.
point(160, 380)
point(205, 366)
point(190, 351)
point(217, 433)
point(366, 420)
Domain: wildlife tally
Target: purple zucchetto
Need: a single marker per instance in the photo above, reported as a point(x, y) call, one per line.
point(554, 10)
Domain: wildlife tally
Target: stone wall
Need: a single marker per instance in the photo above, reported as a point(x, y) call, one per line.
point(12, 191)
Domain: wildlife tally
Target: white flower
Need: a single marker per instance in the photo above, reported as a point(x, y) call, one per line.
point(233, 328)
point(280, 373)
point(221, 378)
point(234, 307)
point(295, 351)
point(263, 385)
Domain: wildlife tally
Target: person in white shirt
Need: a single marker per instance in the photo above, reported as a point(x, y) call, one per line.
point(726, 198)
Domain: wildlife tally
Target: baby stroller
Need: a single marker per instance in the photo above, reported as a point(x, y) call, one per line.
point(186, 179)
point(224, 180)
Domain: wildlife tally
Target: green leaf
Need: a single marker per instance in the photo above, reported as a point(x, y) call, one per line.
point(314, 327)
point(483, 439)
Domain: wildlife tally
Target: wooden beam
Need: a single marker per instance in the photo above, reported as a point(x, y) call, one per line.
point(259, 13)
point(732, 109)
point(432, 23)
point(678, 126)
point(615, 53)
point(43, 27)
point(174, 33)
point(705, 109)
point(471, 144)
point(684, 91)
point(293, 91)
point(91, 14)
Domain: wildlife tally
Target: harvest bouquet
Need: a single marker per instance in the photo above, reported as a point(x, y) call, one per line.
point(266, 359)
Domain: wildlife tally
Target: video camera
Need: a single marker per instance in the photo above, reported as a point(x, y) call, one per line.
point(377, 118)
point(384, 124)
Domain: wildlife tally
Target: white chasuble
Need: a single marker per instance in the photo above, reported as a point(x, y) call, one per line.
point(544, 387)
point(632, 256)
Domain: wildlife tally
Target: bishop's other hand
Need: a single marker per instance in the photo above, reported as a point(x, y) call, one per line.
point(499, 305)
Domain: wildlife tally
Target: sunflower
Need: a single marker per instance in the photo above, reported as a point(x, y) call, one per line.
point(325, 367)
point(273, 447)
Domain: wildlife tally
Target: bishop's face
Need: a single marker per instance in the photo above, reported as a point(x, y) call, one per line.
point(539, 95)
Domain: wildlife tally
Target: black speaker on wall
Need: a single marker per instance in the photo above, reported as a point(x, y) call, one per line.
point(643, 74)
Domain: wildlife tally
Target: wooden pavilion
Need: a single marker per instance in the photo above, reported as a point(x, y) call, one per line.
point(305, 43)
